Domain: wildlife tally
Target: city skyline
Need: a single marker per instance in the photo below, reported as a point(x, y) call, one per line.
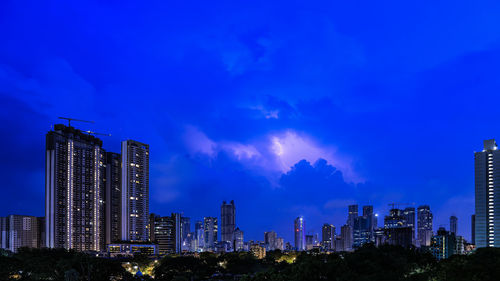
point(232, 99)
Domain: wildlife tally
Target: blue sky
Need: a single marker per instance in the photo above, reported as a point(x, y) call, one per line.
point(288, 107)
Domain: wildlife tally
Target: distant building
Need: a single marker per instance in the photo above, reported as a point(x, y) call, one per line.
point(130, 249)
point(239, 241)
point(74, 190)
point(346, 236)
point(280, 244)
point(328, 236)
point(409, 215)
point(395, 219)
point(300, 234)
point(399, 236)
point(135, 191)
point(258, 251)
point(453, 224)
point(113, 197)
point(20, 231)
point(199, 236)
point(309, 241)
point(443, 244)
point(487, 199)
point(362, 231)
point(228, 221)
point(270, 240)
point(473, 229)
point(352, 214)
point(424, 225)
point(167, 233)
point(210, 233)
point(4, 233)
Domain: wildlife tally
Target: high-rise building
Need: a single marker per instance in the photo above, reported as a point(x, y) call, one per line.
point(74, 190)
point(280, 244)
point(409, 215)
point(113, 197)
point(362, 231)
point(424, 225)
point(135, 191)
point(473, 229)
point(352, 215)
point(346, 236)
point(167, 233)
point(210, 233)
point(270, 240)
point(395, 219)
point(228, 221)
point(4, 233)
point(23, 232)
point(487, 195)
point(300, 234)
point(238, 240)
point(199, 236)
point(328, 236)
point(453, 225)
point(443, 244)
point(186, 227)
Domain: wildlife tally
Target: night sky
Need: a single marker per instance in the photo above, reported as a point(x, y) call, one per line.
point(289, 108)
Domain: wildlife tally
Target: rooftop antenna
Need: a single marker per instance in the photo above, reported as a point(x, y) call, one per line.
point(73, 119)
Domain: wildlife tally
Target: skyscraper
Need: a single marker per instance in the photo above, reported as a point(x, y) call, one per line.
point(135, 191)
point(328, 236)
point(74, 190)
point(199, 236)
point(210, 233)
point(346, 236)
point(238, 240)
point(409, 214)
point(487, 195)
point(228, 221)
point(300, 234)
point(270, 240)
point(453, 225)
point(352, 215)
point(113, 197)
point(424, 225)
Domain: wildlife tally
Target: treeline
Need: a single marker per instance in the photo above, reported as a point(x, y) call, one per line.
point(366, 263)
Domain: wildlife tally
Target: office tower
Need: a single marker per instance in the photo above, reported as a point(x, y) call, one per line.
point(23, 232)
point(424, 225)
point(280, 244)
point(210, 232)
point(328, 236)
point(135, 191)
point(4, 233)
point(113, 197)
point(270, 239)
point(362, 231)
point(238, 240)
point(367, 210)
point(74, 190)
point(352, 215)
point(186, 227)
point(473, 229)
point(167, 233)
point(41, 232)
point(372, 218)
point(300, 234)
point(228, 222)
point(395, 219)
point(453, 225)
point(346, 236)
point(399, 236)
point(487, 195)
point(443, 244)
point(199, 235)
point(409, 215)
point(309, 241)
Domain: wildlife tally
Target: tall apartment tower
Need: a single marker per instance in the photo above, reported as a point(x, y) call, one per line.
point(352, 215)
point(228, 221)
point(453, 224)
point(209, 233)
point(74, 190)
point(135, 191)
point(328, 236)
point(424, 225)
point(473, 229)
point(487, 195)
point(113, 197)
point(300, 234)
point(346, 237)
point(270, 240)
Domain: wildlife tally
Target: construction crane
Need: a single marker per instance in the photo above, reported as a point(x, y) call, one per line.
point(73, 119)
point(95, 133)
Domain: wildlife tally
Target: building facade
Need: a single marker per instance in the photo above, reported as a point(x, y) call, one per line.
point(239, 241)
point(74, 190)
point(210, 229)
point(113, 197)
point(453, 224)
point(135, 191)
point(300, 234)
point(328, 236)
point(228, 221)
point(270, 240)
point(487, 195)
point(424, 225)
